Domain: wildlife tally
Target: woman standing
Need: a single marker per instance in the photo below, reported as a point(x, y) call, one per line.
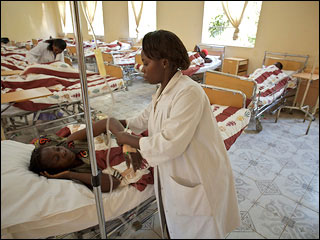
point(47, 51)
point(194, 183)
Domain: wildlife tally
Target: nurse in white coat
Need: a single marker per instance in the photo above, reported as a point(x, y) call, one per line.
point(194, 183)
point(47, 51)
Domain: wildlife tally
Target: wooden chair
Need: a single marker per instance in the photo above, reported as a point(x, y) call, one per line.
point(34, 42)
point(68, 61)
point(28, 47)
point(138, 59)
point(113, 70)
point(107, 57)
point(72, 50)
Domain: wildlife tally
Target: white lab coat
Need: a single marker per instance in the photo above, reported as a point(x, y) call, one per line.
point(185, 144)
point(40, 54)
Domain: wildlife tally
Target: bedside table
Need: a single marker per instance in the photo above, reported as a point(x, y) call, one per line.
point(236, 66)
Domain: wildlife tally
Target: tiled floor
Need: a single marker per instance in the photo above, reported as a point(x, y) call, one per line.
point(276, 172)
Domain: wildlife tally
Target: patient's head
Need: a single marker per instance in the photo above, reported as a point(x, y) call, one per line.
point(56, 45)
point(52, 159)
point(278, 65)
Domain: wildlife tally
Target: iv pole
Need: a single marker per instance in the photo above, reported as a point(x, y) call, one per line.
point(96, 177)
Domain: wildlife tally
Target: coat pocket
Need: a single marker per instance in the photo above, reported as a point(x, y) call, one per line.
point(190, 201)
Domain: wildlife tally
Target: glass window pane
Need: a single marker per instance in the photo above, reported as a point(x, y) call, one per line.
point(147, 21)
point(221, 31)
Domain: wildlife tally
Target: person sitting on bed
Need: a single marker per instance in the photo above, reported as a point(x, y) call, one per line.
point(68, 158)
point(203, 53)
point(279, 65)
point(47, 51)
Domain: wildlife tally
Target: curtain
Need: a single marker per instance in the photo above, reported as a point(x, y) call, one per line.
point(90, 9)
point(62, 11)
point(137, 17)
point(234, 11)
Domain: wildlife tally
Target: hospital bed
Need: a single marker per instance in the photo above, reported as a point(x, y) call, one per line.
point(197, 65)
point(229, 104)
point(275, 86)
point(51, 207)
point(126, 59)
point(64, 82)
point(13, 58)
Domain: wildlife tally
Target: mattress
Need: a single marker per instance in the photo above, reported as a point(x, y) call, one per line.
point(216, 62)
point(37, 207)
point(231, 121)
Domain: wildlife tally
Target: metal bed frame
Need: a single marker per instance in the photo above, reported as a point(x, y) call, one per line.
point(278, 102)
point(17, 122)
point(133, 218)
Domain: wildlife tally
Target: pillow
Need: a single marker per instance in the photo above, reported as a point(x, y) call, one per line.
point(21, 188)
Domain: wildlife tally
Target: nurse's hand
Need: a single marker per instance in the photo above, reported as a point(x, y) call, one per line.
point(123, 137)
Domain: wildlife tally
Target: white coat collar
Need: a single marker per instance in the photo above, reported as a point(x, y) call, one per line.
point(173, 81)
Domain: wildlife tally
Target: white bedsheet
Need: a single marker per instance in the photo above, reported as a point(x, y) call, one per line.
point(33, 206)
point(216, 62)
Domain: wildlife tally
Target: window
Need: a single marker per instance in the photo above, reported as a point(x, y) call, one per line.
point(221, 31)
point(97, 24)
point(68, 28)
point(148, 18)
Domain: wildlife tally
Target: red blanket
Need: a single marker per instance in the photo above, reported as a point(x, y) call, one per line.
point(116, 157)
point(63, 82)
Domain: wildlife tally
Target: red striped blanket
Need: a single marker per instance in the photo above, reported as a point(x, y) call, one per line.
point(270, 83)
point(13, 58)
point(196, 62)
point(231, 121)
point(61, 79)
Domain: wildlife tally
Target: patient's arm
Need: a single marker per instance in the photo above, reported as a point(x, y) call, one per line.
point(85, 178)
point(98, 127)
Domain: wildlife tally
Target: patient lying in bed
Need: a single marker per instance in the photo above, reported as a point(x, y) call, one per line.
point(66, 156)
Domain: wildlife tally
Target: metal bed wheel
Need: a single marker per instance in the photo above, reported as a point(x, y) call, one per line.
point(258, 125)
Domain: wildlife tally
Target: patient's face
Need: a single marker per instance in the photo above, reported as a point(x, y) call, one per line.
point(57, 157)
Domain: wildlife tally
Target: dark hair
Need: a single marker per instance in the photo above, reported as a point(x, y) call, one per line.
point(37, 166)
point(35, 162)
point(279, 65)
point(5, 40)
point(59, 43)
point(164, 44)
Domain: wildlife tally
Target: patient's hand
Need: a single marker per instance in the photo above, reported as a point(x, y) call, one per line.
point(135, 159)
point(61, 175)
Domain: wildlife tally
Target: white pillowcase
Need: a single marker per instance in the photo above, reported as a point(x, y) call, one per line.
point(26, 196)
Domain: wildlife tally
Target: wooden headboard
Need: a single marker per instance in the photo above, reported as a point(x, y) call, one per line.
point(289, 61)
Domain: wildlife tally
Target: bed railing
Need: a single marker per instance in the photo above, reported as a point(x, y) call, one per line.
point(292, 62)
point(225, 96)
point(229, 81)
